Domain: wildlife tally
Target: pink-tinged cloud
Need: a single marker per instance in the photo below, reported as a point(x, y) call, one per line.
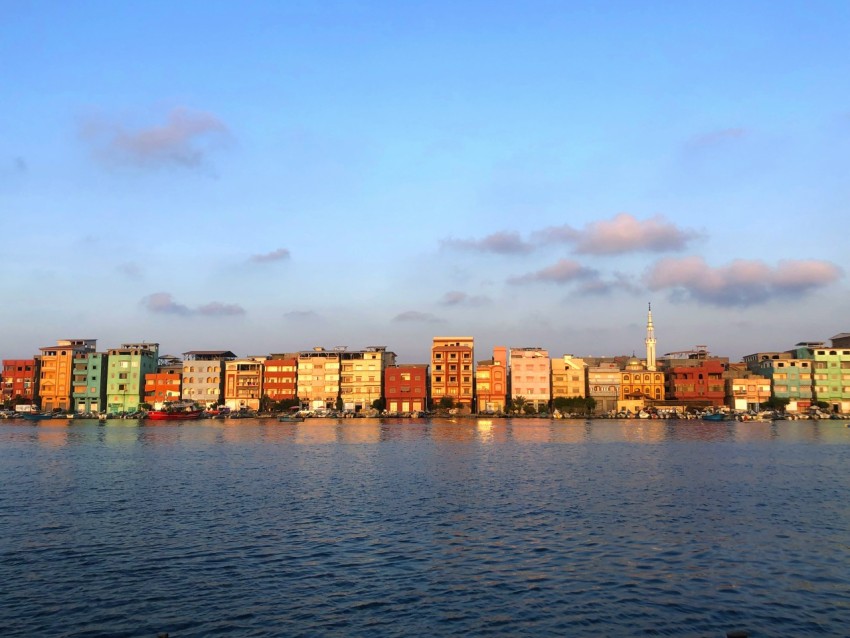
point(184, 139)
point(218, 309)
point(622, 234)
point(281, 254)
point(741, 282)
point(619, 282)
point(414, 316)
point(164, 303)
point(627, 234)
point(564, 271)
point(503, 243)
point(458, 298)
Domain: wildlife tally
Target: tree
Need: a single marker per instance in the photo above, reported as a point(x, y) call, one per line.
point(518, 404)
point(379, 405)
point(267, 404)
point(339, 404)
point(775, 403)
point(446, 403)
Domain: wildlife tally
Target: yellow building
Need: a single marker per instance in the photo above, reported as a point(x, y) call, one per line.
point(639, 386)
point(491, 382)
point(56, 372)
point(318, 378)
point(569, 379)
point(362, 377)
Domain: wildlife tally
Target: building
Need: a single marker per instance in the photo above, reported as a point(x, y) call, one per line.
point(243, 383)
point(603, 385)
point(491, 382)
point(640, 387)
point(362, 377)
point(830, 373)
point(841, 340)
point(128, 366)
point(569, 377)
point(790, 377)
point(748, 391)
point(530, 376)
point(166, 384)
point(89, 382)
point(702, 384)
point(56, 372)
point(203, 376)
point(406, 387)
point(19, 380)
point(452, 373)
point(280, 377)
point(318, 378)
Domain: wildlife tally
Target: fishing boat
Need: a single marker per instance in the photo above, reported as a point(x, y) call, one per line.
point(36, 416)
point(290, 418)
point(714, 416)
point(176, 411)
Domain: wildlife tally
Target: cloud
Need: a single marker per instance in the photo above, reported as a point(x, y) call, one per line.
point(217, 309)
point(741, 282)
point(458, 298)
point(131, 270)
point(164, 303)
point(601, 287)
point(184, 139)
point(503, 243)
point(414, 316)
point(713, 138)
point(301, 315)
point(564, 271)
point(281, 254)
point(623, 233)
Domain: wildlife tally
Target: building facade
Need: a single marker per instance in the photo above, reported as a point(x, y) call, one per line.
point(749, 391)
point(406, 388)
point(790, 377)
point(318, 378)
point(452, 373)
point(280, 377)
point(89, 383)
point(19, 380)
point(166, 384)
point(530, 376)
point(243, 383)
point(128, 366)
point(56, 373)
point(362, 377)
point(491, 382)
point(640, 387)
point(698, 385)
point(203, 376)
point(603, 384)
point(569, 377)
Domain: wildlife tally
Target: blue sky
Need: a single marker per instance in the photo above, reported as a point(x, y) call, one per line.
point(272, 176)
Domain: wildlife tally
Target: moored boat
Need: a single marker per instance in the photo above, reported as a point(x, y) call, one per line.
point(177, 411)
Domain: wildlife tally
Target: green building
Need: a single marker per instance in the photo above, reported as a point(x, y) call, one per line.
point(128, 365)
point(89, 381)
point(790, 375)
point(830, 374)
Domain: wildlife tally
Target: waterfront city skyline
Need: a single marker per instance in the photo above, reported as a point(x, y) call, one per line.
point(279, 176)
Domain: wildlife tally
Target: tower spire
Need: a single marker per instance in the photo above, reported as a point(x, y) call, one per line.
point(650, 341)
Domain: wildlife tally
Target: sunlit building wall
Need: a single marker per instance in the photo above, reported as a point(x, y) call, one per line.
point(362, 376)
point(569, 377)
point(530, 375)
point(203, 376)
point(452, 373)
point(56, 365)
point(406, 388)
point(243, 383)
point(491, 382)
point(318, 378)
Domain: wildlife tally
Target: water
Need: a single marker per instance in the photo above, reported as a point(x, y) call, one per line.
point(474, 528)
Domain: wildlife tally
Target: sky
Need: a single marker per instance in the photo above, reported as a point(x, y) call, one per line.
point(274, 176)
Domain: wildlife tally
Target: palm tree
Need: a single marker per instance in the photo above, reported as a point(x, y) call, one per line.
point(518, 404)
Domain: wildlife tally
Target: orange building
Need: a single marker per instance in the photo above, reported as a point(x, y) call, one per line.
point(56, 364)
point(451, 370)
point(491, 382)
point(280, 377)
point(163, 386)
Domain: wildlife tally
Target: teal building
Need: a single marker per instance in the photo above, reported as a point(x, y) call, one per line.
point(127, 366)
point(89, 381)
point(830, 374)
point(790, 376)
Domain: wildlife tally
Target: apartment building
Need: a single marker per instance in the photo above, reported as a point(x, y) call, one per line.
point(406, 387)
point(491, 382)
point(128, 365)
point(56, 372)
point(203, 376)
point(530, 376)
point(452, 373)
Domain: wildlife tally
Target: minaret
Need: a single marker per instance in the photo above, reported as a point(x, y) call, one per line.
point(650, 341)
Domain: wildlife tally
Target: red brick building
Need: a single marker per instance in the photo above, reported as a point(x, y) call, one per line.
point(18, 379)
point(406, 387)
point(280, 377)
point(701, 384)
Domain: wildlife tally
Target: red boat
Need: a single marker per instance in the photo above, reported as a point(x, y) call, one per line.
point(176, 412)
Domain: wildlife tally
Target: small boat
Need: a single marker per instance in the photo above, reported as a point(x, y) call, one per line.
point(714, 416)
point(36, 416)
point(290, 418)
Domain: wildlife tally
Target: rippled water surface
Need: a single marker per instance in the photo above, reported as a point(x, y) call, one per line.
point(392, 528)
